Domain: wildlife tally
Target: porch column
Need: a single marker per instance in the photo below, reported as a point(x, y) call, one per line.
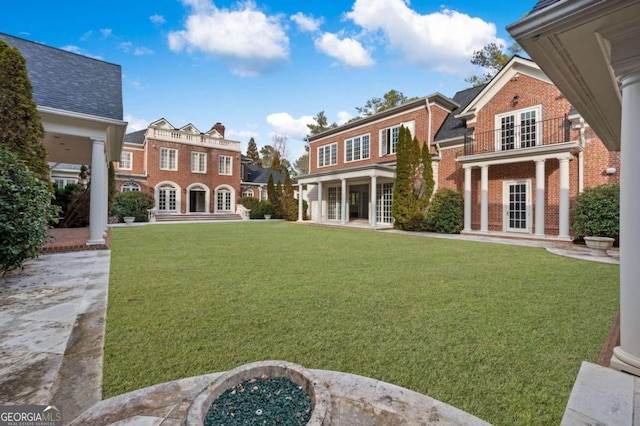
point(373, 201)
point(319, 218)
point(563, 219)
point(99, 199)
point(300, 194)
point(467, 198)
point(626, 357)
point(484, 200)
point(540, 198)
point(343, 203)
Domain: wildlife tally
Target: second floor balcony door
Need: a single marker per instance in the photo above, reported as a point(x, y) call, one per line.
point(518, 129)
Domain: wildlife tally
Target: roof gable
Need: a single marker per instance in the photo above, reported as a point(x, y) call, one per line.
point(162, 124)
point(190, 128)
point(516, 66)
point(214, 134)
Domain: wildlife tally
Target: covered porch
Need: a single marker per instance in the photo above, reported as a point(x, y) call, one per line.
point(360, 195)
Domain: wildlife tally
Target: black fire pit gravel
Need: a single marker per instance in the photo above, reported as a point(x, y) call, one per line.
point(261, 401)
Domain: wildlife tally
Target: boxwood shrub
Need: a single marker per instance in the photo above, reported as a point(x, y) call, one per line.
point(596, 212)
point(133, 203)
point(446, 212)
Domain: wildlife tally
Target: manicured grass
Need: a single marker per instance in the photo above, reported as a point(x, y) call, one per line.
point(495, 330)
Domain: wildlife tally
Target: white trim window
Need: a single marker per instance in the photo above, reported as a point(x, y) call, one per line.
point(328, 155)
point(198, 162)
point(168, 159)
point(130, 186)
point(126, 160)
point(519, 129)
point(517, 206)
point(225, 163)
point(248, 192)
point(357, 148)
point(63, 182)
point(389, 137)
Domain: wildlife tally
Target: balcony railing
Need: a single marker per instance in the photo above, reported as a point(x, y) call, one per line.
point(195, 139)
point(524, 136)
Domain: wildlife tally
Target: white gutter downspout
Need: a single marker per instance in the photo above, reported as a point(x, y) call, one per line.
point(581, 158)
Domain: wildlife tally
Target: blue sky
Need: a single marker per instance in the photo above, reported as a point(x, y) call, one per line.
point(265, 68)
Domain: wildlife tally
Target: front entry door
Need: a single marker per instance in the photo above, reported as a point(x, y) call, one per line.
point(517, 206)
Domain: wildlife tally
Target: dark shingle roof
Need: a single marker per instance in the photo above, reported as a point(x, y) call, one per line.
point(71, 82)
point(260, 175)
point(135, 137)
point(542, 4)
point(452, 126)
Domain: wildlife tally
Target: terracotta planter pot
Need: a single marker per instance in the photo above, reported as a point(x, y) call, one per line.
point(599, 245)
point(320, 397)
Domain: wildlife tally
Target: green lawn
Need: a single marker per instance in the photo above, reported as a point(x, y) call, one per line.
point(495, 330)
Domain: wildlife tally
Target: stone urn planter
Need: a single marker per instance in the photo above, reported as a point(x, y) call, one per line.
point(129, 219)
point(317, 391)
point(599, 245)
point(267, 216)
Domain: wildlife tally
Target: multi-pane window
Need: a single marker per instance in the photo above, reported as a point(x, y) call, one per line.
point(130, 186)
point(167, 198)
point(247, 192)
point(328, 155)
point(357, 148)
point(168, 159)
point(519, 129)
point(389, 137)
point(224, 165)
point(223, 200)
point(198, 162)
point(334, 203)
point(125, 160)
point(62, 182)
point(384, 193)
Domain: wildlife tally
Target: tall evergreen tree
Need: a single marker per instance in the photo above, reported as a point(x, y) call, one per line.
point(426, 169)
point(20, 128)
point(289, 204)
point(404, 205)
point(321, 124)
point(253, 153)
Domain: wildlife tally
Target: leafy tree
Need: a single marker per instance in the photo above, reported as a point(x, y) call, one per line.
point(273, 196)
point(289, 204)
point(405, 207)
point(274, 156)
point(253, 154)
point(392, 98)
point(111, 185)
point(321, 124)
point(492, 59)
point(20, 128)
point(301, 165)
point(426, 182)
point(133, 203)
point(25, 212)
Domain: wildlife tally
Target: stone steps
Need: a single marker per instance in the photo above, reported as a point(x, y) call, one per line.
point(197, 217)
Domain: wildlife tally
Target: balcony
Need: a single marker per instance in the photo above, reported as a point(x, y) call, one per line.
point(511, 138)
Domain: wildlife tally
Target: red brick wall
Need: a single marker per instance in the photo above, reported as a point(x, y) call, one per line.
point(420, 116)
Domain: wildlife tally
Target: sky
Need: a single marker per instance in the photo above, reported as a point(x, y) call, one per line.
point(265, 69)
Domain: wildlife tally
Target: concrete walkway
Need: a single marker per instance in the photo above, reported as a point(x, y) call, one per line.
point(52, 331)
point(52, 325)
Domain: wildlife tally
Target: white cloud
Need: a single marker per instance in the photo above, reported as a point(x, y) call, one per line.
point(240, 135)
point(128, 47)
point(135, 123)
point(86, 36)
point(294, 128)
point(139, 51)
point(348, 51)
point(306, 23)
point(106, 32)
point(343, 117)
point(250, 42)
point(75, 49)
point(157, 19)
point(443, 41)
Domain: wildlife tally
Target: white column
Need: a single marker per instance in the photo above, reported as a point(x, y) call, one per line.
point(540, 198)
point(319, 218)
point(300, 196)
point(484, 198)
point(374, 195)
point(467, 198)
point(563, 211)
point(343, 203)
point(626, 357)
point(99, 194)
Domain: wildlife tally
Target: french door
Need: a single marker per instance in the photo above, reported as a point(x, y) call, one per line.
point(517, 206)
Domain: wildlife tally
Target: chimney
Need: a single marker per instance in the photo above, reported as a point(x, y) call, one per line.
point(220, 128)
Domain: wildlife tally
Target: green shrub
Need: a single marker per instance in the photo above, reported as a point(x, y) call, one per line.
point(25, 212)
point(446, 213)
point(133, 203)
point(264, 207)
point(249, 202)
point(596, 212)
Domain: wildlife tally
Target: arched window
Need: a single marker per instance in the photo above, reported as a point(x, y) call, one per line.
point(130, 186)
point(223, 200)
point(167, 198)
point(247, 192)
